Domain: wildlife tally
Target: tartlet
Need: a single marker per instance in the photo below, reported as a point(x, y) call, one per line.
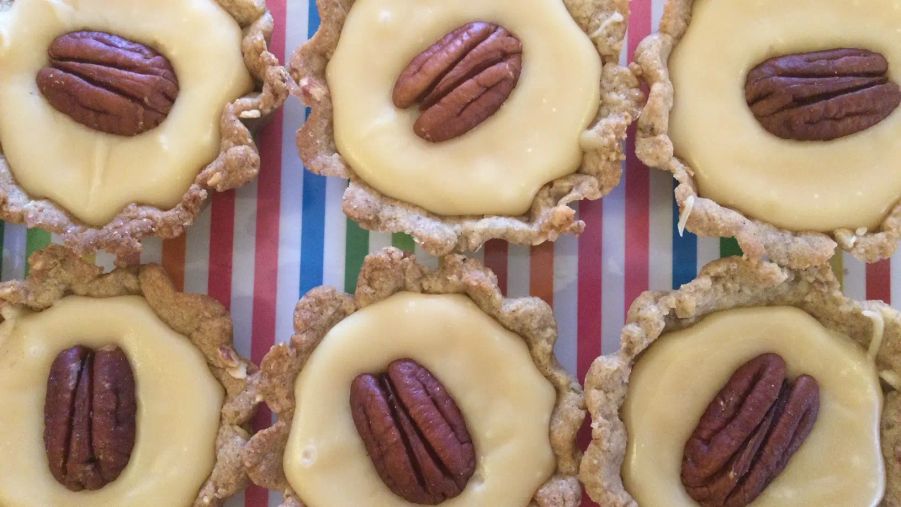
point(113, 162)
point(786, 188)
point(190, 393)
point(389, 320)
point(513, 172)
point(735, 310)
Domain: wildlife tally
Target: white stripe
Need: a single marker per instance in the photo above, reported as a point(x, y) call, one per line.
point(656, 14)
point(243, 266)
point(614, 268)
point(708, 251)
point(425, 259)
point(236, 501)
point(378, 241)
point(152, 252)
point(566, 296)
point(290, 219)
point(518, 271)
point(105, 260)
point(197, 254)
point(854, 277)
point(660, 270)
point(896, 280)
point(335, 249)
point(15, 237)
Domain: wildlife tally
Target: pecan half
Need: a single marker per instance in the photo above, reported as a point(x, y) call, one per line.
point(461, 80)
point(822, 95)
point(89, 417)
point(108, 83)
point(414, 432)
point(748, 433)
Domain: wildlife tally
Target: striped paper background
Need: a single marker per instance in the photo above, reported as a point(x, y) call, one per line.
point(258, 249)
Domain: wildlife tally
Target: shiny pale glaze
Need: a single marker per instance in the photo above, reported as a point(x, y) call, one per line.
point(840, 463)
point(850, 182)
point(179, 402)
point(505, 400)
point(94, 175)
point(498, 167)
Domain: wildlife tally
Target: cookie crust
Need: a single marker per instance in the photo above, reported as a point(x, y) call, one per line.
point(550, 214)
point(706, 217)
point(384, 274)
point(721, 285)
point(57, 272)
point(237, 163)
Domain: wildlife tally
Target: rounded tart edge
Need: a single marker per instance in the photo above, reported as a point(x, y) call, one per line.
point(721, 285)
point(550, 214)
point(57, 272)
point(384, 274)
point(237, 163)
point(705, 217)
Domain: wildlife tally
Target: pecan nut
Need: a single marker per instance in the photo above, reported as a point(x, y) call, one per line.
point(821, 95)
point(461, 80)
point(108, 83)
point(748, 433)
point(89, 417)
point(414, 433)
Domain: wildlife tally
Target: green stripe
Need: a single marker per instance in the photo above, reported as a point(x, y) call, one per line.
point(838, 267)
point(36, 240)
point(403, 241)
point(354, 253)
point(729, 247)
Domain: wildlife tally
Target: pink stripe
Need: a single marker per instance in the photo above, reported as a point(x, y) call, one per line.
point(589, 286)
point(265, 283)
point(637, 182)
point(496, 257)
point(589, 301)
point(879, 281)
point(222, 239)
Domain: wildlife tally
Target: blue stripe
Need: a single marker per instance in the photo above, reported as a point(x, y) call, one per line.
point(685, 252)
point(312, 232)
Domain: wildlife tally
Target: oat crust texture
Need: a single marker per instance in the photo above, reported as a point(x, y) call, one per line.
point(384, 274)
point(237, 163)
point(706, 217)
point(549, 216)
point(724, 284)
point(57, 272)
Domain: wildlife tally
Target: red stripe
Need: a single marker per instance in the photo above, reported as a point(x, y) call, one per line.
point(174, 252)
point(637, 181)
point(222, 240)
point(879, 281)
point(541, 272)
point(265, 284)
point(589, 300)
point(496, 256)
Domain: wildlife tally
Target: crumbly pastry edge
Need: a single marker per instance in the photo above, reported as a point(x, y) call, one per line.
point(703, 216)
point(57, 272)
point(550, 215)
point(237, 163)
point(383, 275)
point(722, 285)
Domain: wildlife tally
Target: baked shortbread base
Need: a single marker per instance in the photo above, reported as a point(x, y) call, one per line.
point(549, 216)
point(383, 275)
point(237, 163)
point(706, 217)
point(57, 272)
point(725, 284)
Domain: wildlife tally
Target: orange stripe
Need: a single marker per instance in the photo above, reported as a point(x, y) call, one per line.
point(541, 272)
point(174, 260)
